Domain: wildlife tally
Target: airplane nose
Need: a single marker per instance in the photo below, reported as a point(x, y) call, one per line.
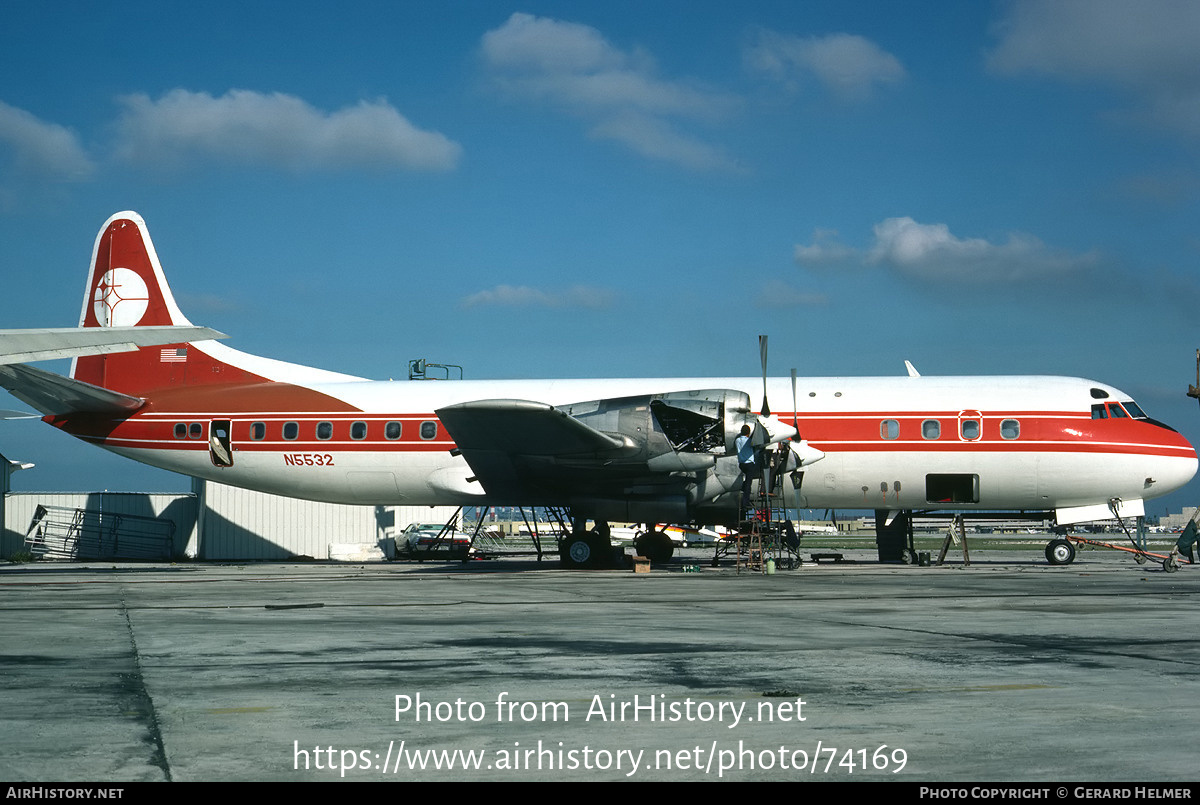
point(1175, 471)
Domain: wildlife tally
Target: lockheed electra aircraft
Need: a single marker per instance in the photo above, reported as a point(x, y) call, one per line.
point(648, 450)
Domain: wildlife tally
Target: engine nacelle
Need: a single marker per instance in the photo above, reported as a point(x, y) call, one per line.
point(697, 422)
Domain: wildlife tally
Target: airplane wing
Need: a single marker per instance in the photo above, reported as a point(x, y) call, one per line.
point(23, 346)
point(513, 445)
point(57, 395)
point(523, 426)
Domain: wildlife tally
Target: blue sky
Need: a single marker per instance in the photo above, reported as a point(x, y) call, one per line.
point(620, 188)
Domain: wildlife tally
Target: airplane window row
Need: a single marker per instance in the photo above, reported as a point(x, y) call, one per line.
point(185, 431)
point(970, 430)
point(323, 431)
point(1114, 410)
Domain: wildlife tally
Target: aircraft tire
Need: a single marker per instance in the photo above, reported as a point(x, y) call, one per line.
point(577, 551)
point(908, 557)
point(655, 546)
point(1060, 552)
point(584, 550)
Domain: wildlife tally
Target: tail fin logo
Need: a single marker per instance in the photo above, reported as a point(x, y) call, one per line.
point(120, 298)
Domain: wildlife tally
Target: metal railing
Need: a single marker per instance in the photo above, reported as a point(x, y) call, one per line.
point(58, 532)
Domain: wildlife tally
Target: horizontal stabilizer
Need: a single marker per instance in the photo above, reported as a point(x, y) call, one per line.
point(58, 396)
point(22, 346)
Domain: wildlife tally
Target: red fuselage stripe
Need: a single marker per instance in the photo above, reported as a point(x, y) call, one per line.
point(1039, 432)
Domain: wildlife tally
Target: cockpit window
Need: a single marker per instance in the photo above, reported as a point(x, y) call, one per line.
point(1134, 410)
point(1116, 411)
point(1098, 412)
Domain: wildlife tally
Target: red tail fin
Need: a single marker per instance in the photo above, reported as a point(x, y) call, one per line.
point(126, 287)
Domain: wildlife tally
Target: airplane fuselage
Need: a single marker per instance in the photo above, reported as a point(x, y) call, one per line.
point(889, 442)
point(641, 449)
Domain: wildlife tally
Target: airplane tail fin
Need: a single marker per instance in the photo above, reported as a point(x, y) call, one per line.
point(127, 288)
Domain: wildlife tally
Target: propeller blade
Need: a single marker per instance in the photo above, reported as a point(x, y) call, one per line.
point(795, 413)
point(762, 351)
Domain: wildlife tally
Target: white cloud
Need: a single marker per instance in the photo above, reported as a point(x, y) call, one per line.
point(825, 248)
point(847, 65)
point(548, 46)
point(932, 252)
point(274, 129)
point(653, 137)
point(577, 296)
point(618, 93)
point(1151, 50)
point(42, 149)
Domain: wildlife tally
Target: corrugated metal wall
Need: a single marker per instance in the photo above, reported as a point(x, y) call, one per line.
point(226, 523)
point(180, 509)
point(241, 524)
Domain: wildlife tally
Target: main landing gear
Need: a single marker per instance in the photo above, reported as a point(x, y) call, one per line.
point(1060, 552)
point(655, 545)
point(582, 548)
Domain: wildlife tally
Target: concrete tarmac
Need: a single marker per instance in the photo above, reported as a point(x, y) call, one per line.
point(1008, 670)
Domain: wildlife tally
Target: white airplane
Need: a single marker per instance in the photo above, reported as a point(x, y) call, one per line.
point(648, 450)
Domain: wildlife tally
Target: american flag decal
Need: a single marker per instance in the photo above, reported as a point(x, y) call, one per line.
point(173, 355)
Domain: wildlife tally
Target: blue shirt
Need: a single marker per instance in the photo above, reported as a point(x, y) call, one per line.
point(745, 450)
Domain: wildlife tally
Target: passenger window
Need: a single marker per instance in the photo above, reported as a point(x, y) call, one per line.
point(969, 429)
point(258, 431)
point(429, 429)
point(889, 429)
point(1010, 429)
point(1116, 411)
point(391, 431)
point(1098, 412)
point(195, 430)
point(291, 430)
point(324, 430)
point(180, 430)
point(358, 430)
point(931, 429)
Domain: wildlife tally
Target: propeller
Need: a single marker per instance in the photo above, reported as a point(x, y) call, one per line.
point(801, 452)
point(768, 429)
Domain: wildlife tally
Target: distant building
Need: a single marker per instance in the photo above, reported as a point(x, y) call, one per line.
point(1180, 520)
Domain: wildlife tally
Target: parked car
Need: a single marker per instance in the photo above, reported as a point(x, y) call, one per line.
point(422, 540)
